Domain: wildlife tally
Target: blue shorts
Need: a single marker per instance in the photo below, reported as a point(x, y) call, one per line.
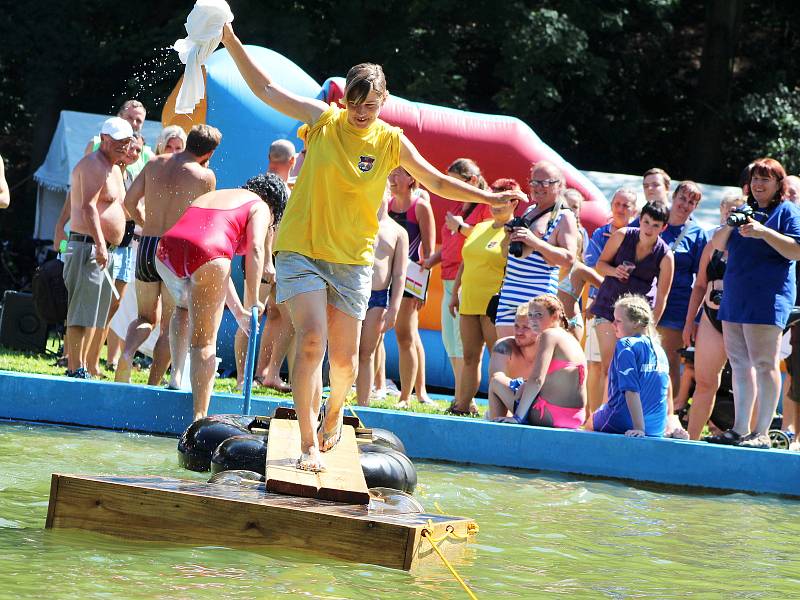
point(378, 299)
point(124, 264)
point(348, 286)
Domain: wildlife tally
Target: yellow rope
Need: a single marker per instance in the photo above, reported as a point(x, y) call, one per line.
point(427, 535)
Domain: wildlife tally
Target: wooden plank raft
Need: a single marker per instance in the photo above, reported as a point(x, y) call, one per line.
point(341, 481)
point(190, 512)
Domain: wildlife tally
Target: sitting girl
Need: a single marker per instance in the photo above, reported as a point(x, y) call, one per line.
point(554, 395)
point(638, 380)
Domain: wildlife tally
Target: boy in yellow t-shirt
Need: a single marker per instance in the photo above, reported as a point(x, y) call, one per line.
point(325, 242)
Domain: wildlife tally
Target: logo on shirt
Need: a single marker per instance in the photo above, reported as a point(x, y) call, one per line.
point(365, 163)
point(491, 244)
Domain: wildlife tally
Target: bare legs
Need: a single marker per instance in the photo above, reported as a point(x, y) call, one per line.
point(412, 354)
point(147, 296)
point(753, 353)
point(206, 304)
point(276, 344)
point(709, 360)
point(100, 335)
point(370, 339)
point(476, 330)
point(607, 340)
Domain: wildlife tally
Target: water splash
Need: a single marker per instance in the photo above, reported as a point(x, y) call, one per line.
point(153, 78)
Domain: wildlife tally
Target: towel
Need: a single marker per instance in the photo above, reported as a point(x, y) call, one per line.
point(204, 29)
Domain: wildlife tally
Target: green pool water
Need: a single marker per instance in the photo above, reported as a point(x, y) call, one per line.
point(540, 535)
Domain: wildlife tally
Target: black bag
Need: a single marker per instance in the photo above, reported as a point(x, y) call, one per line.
point(49, 292)
point(491, 308)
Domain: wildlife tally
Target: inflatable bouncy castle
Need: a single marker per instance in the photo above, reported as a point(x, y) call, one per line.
point(502, 146)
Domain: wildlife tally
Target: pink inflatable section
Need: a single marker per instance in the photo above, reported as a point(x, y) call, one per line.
point(502, 146)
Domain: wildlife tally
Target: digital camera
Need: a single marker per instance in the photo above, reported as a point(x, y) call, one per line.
point(525, 220)
point(740, 215)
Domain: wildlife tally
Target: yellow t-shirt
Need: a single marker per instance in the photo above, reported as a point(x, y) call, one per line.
point(484, 266)
point(333, 212)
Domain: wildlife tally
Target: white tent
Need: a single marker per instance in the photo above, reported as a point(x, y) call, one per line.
point(74, 131)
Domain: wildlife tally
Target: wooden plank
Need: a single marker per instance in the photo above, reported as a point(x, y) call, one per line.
point(341, 481)
point(174, 510)
point(51, 504)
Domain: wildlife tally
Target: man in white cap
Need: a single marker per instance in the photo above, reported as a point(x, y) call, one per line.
point(97, 224)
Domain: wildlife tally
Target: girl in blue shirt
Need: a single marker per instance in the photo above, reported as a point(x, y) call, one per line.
point(638, 379)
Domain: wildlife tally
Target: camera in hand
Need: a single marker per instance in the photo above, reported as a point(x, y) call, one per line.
point(715, 297)
point(526, 220)
point(740, 215)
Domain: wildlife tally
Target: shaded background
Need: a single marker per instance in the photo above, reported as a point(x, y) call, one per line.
point(699, 88)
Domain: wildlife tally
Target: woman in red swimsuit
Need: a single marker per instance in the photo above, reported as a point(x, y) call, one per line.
point(554, 394)
point(194, 260)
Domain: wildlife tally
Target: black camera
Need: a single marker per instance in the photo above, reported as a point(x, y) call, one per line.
point(740, 215)
point(715, 297)
point(526, 220)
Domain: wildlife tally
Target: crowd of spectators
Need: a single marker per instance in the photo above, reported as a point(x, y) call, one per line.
point(584, 331)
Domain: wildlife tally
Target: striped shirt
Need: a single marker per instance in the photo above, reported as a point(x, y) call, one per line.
point(527, 278)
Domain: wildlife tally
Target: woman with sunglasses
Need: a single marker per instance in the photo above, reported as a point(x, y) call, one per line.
point(548, 245)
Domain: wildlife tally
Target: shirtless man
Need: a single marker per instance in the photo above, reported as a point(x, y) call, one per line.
point(158, 197)
point(97, 226)
point(391, 260)
point(511, 362)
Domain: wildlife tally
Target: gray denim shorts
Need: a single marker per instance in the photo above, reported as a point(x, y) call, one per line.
point(348, 286)
point(88, 290)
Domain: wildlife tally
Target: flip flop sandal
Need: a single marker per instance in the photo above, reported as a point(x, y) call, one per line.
point(329, 438)
point(452, 410)
point(755, 440)
point(727, 438)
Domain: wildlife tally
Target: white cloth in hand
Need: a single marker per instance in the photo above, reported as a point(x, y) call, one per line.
point(204, 29)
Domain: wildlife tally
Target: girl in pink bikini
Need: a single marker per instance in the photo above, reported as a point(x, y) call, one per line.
point(554, 393)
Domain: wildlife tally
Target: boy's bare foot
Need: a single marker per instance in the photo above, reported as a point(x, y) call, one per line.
point(311, 461)
point(123, 372)
point(402, 404)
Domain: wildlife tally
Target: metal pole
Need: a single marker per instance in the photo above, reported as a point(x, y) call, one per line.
point(250, 359)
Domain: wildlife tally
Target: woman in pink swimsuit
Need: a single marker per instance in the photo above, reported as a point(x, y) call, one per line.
point(554, 394)
point(194, 260)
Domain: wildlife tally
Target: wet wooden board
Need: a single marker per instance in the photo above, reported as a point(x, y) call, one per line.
point(341, 481)
point(189, 512)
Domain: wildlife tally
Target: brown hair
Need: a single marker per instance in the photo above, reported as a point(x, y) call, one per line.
point(689, 187)
point(661, 172)
point(361, 79)
point(203, 139)
point(768, 167)
point(554, 306)
point(505, 184)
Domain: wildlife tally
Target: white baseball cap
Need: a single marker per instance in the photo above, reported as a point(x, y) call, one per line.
point(117, 128)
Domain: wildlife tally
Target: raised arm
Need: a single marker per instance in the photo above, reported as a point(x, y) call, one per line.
point(444, 185)
point(5, 195)
point(307, 110)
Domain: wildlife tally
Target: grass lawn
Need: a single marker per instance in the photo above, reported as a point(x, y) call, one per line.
point(45, 364)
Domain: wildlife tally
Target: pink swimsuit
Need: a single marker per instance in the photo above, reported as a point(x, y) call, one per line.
point(560, 416)
point(203, 234)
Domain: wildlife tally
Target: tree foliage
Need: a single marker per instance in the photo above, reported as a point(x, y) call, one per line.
point(613, 85)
